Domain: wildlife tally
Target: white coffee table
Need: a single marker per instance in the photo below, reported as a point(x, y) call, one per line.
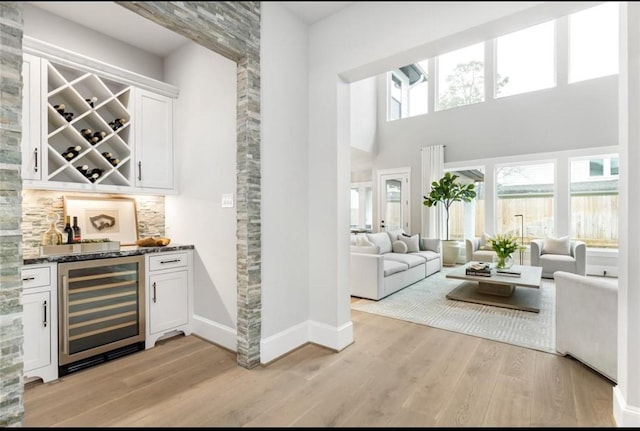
point(520, 293)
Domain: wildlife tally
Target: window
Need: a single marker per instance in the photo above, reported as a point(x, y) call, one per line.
point(593, 42)
point(526, 189)
point(525, 60)
point(596, 168)
point(594, 201)
point(395, 110)
point(361, 206)
point(461, 77)
point(409, 91)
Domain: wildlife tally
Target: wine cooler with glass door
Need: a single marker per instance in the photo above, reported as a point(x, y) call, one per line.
point(102, 311)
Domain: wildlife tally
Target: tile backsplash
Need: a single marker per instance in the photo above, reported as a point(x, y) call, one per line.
point(36, 204)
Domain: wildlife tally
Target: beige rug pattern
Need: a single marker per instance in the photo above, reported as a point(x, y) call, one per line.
point(425, 303)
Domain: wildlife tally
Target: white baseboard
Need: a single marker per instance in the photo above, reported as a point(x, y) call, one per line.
point(601, 270)
point(215, 332)
point(625, 416)
point(290, 339)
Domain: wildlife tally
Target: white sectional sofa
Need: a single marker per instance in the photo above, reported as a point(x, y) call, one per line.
point(385, 262)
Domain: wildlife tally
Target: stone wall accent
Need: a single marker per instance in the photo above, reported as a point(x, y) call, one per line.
point(229, 28)
point(11, 379)
point(232, 29)
point(36, 204)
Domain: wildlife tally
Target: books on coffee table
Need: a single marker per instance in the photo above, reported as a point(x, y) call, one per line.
point(510, 272)
point(479, 269)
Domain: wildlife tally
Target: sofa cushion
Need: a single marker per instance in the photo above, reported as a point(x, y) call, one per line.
point(393, 267)
point(410, 260)
point(557, 246)
point(413, 242)
point(399, 247)
point(428, 255)
point(484, 255)
point(382, 240)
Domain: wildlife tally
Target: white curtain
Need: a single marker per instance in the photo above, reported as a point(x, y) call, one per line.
point(432, 170)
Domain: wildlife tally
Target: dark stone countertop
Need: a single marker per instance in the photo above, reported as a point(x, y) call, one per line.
point(126, 250)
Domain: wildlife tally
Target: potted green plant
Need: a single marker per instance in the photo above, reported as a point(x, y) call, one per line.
point(446, 191)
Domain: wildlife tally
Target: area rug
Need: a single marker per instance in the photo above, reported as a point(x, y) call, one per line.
point(425, 303)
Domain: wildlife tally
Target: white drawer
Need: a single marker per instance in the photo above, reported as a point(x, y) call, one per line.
point(36, 277)
point(167, 261)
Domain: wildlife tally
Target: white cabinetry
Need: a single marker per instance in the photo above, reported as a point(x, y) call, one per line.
point(169, 293)
point(31, 118)
point(153, 140)
point(40, 321)
point(80, 113)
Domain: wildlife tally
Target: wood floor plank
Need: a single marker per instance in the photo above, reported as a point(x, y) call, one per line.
point(553, 404)
point(511, 402)
point(395, 374)
point(474, 388)
point(592, 395)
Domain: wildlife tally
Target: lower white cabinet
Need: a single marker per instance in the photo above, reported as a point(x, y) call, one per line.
point(169, 294)
point(40, 321)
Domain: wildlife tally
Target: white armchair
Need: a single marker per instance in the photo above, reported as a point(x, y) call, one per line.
point(559, 254)
point(479, 250)
point(587, 320)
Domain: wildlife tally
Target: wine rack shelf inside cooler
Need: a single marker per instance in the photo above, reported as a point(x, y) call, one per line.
point(102, 305)
point(80, 101)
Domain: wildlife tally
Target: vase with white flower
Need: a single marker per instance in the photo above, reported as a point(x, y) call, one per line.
point(504, 245)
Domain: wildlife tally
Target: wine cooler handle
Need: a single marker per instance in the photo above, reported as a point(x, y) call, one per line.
point(139, 171)
point(154, 292)
point(64, 331)
point(44, 321)
point(35, 168)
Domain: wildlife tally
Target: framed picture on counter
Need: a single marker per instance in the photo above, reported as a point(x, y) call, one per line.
point(113, 218)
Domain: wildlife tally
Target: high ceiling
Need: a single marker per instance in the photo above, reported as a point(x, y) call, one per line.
point(115, 21)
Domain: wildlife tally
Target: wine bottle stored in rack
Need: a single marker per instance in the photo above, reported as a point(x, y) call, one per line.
point(71, 152)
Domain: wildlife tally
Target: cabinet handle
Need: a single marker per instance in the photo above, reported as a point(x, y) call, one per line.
point(44, 321)
point(64, 331)
point(35, 153)
point(154, 292)
point(170, 261)
point(28, 279)
point(139, 171)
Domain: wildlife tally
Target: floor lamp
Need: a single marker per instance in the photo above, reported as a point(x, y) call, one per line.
point(521, 235)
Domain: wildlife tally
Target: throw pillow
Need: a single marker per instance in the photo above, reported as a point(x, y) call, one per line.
point(432, 244)
point(484, 243)
point(394, 234)
point(399, 247)
point(368, 249)
point(413, 243)
point(363, 241)
point(381, 239)
point(557, 246)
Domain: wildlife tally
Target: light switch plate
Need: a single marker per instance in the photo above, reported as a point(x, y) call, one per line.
point(227, 200)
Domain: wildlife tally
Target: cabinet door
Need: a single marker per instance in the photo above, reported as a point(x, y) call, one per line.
point(36, 320)
point(31, 118)
point(153, 126)
point(168, 301)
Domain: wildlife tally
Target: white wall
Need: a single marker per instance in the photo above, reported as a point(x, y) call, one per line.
point(58, 31)
point(285, 227)
point(205, 155)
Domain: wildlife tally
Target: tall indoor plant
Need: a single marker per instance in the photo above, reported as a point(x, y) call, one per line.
point(446, 191)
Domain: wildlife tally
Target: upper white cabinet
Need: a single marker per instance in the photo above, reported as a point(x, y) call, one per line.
point(31, 118)
point(153, 151)
point(95, 129)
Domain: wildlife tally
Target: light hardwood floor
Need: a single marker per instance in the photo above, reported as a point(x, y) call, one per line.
point(395, 374)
